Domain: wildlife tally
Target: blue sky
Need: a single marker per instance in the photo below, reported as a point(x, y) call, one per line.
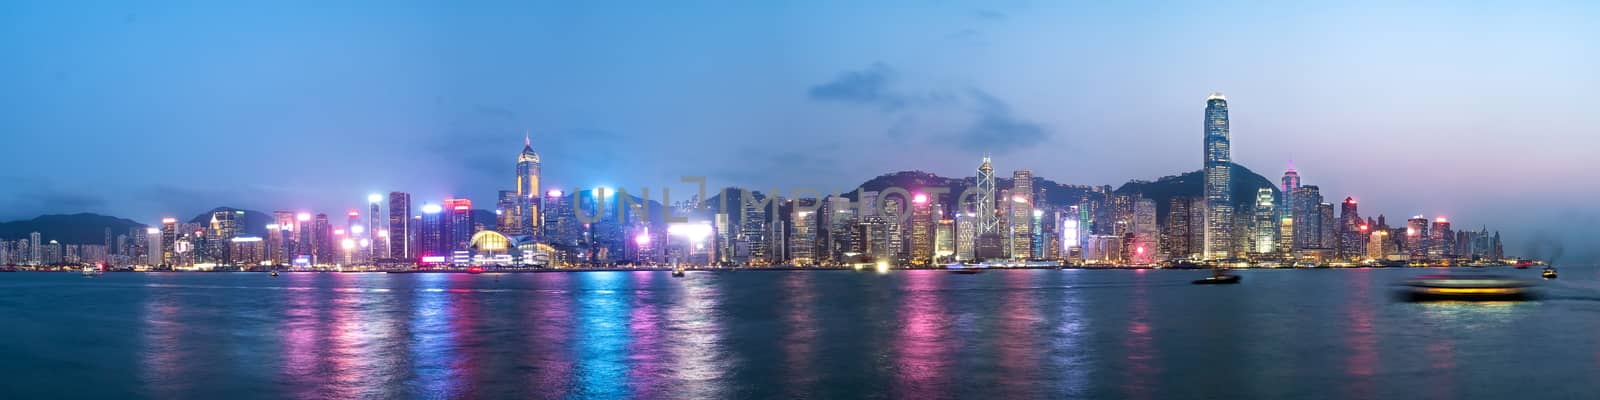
point(1482, 111)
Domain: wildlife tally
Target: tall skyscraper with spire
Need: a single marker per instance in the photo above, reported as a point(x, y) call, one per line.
point(528, 195)
point(1218, 175)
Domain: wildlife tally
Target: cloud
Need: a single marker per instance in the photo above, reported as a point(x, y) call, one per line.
point(869, 86)
point(995, 129)
point(33, 197)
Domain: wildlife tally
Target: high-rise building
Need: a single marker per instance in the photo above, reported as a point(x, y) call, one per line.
point(1353, 236)
point(169, 240)
point(1307, 219)
point(1327, 229)
point(803, 235)
point(402, 243)
point(431, 235)
point(1291, 181)
point(459, 224)
point(1218, 177)
point(528, 170)
point(986, 222)
point(944, 240)
point(1266, 223)
point(1176, 243)
point(377, 234)
point(323, 250)
point(1440, 240)
point(1145, 247)
point(507, 210)
point(756, 229)
point(1021, 214)
point(922, 225)
point(1417, 237)
point(966, 236)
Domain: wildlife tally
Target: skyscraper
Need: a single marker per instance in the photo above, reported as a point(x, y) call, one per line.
point(1266, 223)
point(1441, 241)
point(1218, 187)
point(1021, 214)
point(374, 228)
point(1353, 236)
point(169, 240)
point(1307, 220)
point(401, 244)
point(458, 223)
point(1417, 237)
point(528, 193)
point(430, 233)
point(922, 235)
point(987, 224)
point(1176, 242)
point(322, 247)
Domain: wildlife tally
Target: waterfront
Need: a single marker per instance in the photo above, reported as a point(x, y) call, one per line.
point(1333, 333)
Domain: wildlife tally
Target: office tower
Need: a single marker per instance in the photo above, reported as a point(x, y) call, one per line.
point(528, 204)
point(1291, 181)
point(1307, 220)
point(944, 240)
point(431, 233)
point(755, 230)
point(803, 235)
point(1218, 188)
point(1440, 239)
point(1266, 223)
point(723, 230)
point(286, 223)
point(507, 210)
point(275, 251)
point(966, 236)
point(1326, 227)
point(458, 223)
point(1176, 243)
point(401, 241)
point(169, 240)
point(376, 232)
point(1417, 237)
point(922, 225)
point(894, 224)
point(1145, 245)
point(840, 214)
point(1021, 214)
point(1070, 231)
point(1121, 214)
point(986, 221)
point(1379, 247)
point(323, 249)
point(1352, 231)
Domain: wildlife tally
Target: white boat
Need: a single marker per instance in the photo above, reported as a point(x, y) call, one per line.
point(91, 272)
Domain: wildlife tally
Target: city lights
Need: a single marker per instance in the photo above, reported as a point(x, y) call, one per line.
point(374, 198)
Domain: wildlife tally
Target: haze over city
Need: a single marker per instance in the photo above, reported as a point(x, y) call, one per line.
point(1481, 111)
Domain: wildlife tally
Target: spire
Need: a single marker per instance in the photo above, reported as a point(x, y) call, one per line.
point(527, 138)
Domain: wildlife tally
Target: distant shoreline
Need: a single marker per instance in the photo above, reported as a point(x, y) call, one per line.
point(746, 269)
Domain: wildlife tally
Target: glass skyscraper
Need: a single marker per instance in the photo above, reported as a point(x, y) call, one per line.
point(1218, 188)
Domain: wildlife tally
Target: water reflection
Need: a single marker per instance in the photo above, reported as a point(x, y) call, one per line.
point(163, 363)
point(800, 332)
point(603, 337)
point(1361, 337)
point(1018, 335)
point(433, 340)
point(550, 326)
point(700, 362)
point(648, 363)
point(922, 341)
point(1141, 353)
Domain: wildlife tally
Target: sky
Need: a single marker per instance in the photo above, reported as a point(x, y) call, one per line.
point(1480, 111)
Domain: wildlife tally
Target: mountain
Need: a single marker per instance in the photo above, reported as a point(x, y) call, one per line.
point(81, 228)
point(1161, 190)
point(254, 223)
point(1190, 184)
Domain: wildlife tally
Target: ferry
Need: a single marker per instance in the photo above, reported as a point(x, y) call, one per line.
point(1549, 273)
point(1220, 277)
point(92, 272)
point(1466, 287)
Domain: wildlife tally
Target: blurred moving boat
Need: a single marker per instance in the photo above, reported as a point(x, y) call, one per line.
point(91, 272)
point(1466, 287)
point(1549, 273)
point(1221, 277)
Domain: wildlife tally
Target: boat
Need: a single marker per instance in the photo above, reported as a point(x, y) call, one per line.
point(91, 272)
point(677, 272)
point(1549, 273)
point(1467, 287)
point(966, 271)
point(1218, 280)
point(274, 272)
point(1522, 264)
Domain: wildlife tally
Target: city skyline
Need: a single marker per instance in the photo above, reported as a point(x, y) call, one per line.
point(155, 129)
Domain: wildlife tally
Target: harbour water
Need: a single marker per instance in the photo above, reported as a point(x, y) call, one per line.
point(1137, 334)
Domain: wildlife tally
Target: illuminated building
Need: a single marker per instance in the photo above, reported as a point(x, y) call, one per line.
point(323, 251)
point(1291, 181)
point(803, 238)
point(528, 195)
point(1021, 215)
point(245, 251)
point(379, 246)
point(1146, 235)
point(1307, 219)
point(274, 251)
point(755, 230)
point(507, 212)
point(1286, 234)
point(724, 237)
point(431, 232)
point(1071, 231)
point(966, 236)
point(1185, 235)
point(1379, 246)
point(458, 224)
point(1326, 227)
point(402, 240)
point(1352, 231)
point(921, 230)
point(1441, 240)
point(870, 239)
point(169, 239)
point(986, 208)
point(1417, 237)
point(895, 230)
point(1266, 222)
point(944, 240)
point(1218, 180)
